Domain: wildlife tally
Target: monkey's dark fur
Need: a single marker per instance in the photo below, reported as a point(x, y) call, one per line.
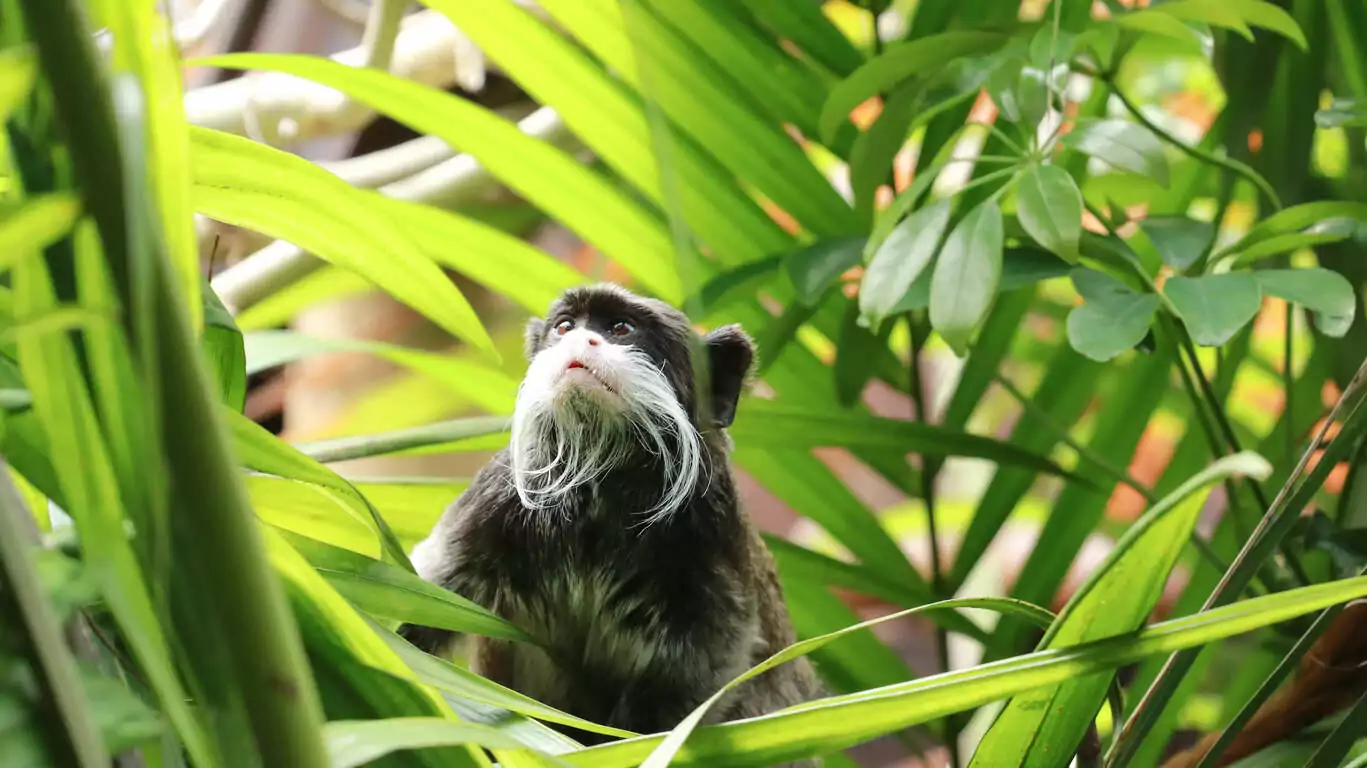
point(641, 623)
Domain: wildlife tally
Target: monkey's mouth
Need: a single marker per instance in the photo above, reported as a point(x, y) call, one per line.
point(588, 373)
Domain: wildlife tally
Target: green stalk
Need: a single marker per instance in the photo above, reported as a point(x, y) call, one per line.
point(249, 650)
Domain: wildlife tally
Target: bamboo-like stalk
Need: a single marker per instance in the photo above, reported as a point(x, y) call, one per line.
point(223, 574)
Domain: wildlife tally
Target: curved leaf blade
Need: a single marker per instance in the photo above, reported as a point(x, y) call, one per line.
point(1049, 206)
point(901, 259)
point(1326, 293)
point(1215, 307)
point(967, 275)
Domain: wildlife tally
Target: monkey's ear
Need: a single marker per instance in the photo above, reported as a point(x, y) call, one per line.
point(729, 356)
point(536, 333)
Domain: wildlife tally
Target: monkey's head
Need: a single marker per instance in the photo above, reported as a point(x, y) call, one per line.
point(612, 381)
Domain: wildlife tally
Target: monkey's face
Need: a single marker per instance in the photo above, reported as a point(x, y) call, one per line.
point(610, 381)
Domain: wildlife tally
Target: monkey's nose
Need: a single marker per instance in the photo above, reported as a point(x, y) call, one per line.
point(593, 341)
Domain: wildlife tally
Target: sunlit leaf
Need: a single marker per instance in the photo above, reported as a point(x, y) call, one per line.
point(242, 182)
point(1123, 145)
point(17, 70)
point(36, 224)
point(967, 276)
point(901, 259)
point(354, 743)
point(1214, 307)
point(1049, 207)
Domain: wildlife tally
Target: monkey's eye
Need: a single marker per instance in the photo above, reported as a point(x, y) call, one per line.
point(563, 327)
point(621, 328)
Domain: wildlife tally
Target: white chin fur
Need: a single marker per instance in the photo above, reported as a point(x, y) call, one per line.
point(571, 427)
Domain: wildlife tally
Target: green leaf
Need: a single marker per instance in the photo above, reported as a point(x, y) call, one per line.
point(811, 30)
point(813, 270)
point(17, 71)
point(1328, 294)
point(1123, 145)
point(380, 589)
point(898, 62)
point(1217, 13)
point(838, 722)
point(453, 435)
point(38, 223)
point(668, 748)
point(1039, 727)
point(1328, 231)
point(1180, 241)
point(901, 259)
point(1342, 113)
point(486, 386)
point(1270, 16)
point(1049, 207)
point(1298, 218)
point(547, 177)
point(967, 276)
point(762, 423)
point(1021, 266)
point(354, 743)
point(1112, 319)
point(242, 182)
point(856, 355)
point(223, 347)
point(1151, 22)
point(1214, 307)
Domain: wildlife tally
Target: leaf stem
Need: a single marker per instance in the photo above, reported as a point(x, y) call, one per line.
point(1227, 163)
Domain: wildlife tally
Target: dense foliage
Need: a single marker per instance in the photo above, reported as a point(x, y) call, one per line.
point(992, 189)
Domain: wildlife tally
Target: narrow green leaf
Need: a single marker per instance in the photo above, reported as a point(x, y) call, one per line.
point(1330, 231)
point(1271, 16)
point(1298, 218)
point(901, 259)
point(1214, 307)
point(1326, 293)
point(1342, 113)
point(967, 276)
point(547, 177)
point(838, 722)
point(1049, 206)
point(1180, 241)
point(17, 71)
point(242, 182)
point(1214, 12)
point(224, 350)
point(812, 30)
point(447, 436)
point(1149, 21)
point(380, 589)
point(354, 743)
point(37, 224)
point(856, 355)
point(898, 62)
point(1112, 319)
point(1123, 145)
point(1044, 726)
point(1337, 745)
point(813, 270)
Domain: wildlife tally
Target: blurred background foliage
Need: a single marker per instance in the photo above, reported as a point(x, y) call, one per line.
point(1058, 312)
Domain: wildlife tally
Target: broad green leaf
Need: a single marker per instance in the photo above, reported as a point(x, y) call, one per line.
point(1112, 319)
point(224, 350)
point(1044, 726)
point(547, 177)
point(1022, 266)
point(838, 722)
point(1298, 218)
point(242, 182)
point(898, 62)
point(1149, 21)
point(461, 682)
point(762, 423)
point(35, 225)
point(901, 259)
point(813, 270)
point(1180, 241)
point(1214, 307)
point(1213, 12)
point(354, 743)
point(1123, 145)
point(17, 71)
point(661, 756)
point(484, 385)
point(1270, 16)
point(1328, 294)
point(381, 589)
point(1342, 113)
point(967, 276)
point(1049, 206)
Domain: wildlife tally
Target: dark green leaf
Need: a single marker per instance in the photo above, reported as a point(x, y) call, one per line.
point(1328, 294)
point(1214, 307)
point(1123, 145)
point(224, 350)
point(1111, 319)
point(1180, 241)
point(1049, 207)
point(735, 284)
point(813, 270)
point(967, 276)
point(856, 355)
point(901, 259)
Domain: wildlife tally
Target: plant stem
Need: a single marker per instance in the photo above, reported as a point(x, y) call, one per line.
point(1227, 163)
point(930, 469)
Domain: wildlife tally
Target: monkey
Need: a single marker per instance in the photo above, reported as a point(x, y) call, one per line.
point(1331, 677)
point(609, 527)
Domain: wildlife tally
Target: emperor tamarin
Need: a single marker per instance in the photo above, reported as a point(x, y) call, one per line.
point(609, 527)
